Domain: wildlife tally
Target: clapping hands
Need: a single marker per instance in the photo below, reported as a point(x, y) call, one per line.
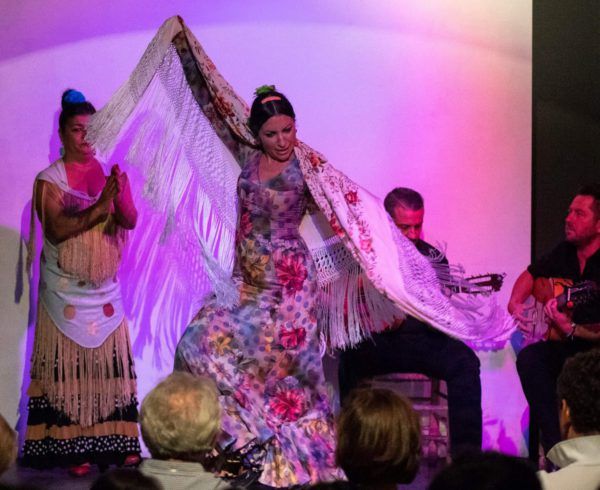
point(120, 177)
point(114, 192)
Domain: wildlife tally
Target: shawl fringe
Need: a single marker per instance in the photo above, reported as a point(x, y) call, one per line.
point(94, 255)
point(167, 92)
point(189, 177)
point(87, 384)
point(350, 307)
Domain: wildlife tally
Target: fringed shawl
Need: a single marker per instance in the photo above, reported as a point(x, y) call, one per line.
point(189, 136)
point(78, 276)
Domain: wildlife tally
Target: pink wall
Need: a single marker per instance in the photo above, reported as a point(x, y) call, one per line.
point(429, 94)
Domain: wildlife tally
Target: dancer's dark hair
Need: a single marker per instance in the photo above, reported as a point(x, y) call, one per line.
point(268, 102)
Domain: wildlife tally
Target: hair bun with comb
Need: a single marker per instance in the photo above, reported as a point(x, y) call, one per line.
point(72, 97)
point(268, 102)
point(264, 89)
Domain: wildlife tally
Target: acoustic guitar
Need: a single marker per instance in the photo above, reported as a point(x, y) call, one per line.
point(481, 284)
point(568, 296)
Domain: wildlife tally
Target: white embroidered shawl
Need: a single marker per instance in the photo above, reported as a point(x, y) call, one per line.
point(188, 134)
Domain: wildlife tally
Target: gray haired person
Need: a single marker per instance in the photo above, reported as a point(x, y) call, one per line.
point(180, 420)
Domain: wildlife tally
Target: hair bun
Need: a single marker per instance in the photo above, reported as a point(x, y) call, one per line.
point(264, 89)
point(72, 97)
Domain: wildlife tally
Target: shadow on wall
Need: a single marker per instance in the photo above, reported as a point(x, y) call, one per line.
point(23, 310)
point(161, 283)
point(18, 306)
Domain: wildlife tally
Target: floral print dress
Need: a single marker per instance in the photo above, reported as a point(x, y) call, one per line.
point(264, 354)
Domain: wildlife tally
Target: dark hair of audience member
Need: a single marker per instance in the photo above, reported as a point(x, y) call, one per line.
point(125, 479)
point(405, 197)
point(486, 471)
point(579, 385)
point(18, 486)
point(8, 445)
point(332, 485)
point(378, 438)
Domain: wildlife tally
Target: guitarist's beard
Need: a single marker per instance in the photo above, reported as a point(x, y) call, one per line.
point(582, 241)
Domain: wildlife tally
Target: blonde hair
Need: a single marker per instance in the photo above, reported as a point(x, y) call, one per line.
point(8, 445)
point(181, 417)
point(378, 438)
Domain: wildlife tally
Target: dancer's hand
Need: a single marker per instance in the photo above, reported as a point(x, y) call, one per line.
point(122, 179)
point(109, 192)
point(126, 213)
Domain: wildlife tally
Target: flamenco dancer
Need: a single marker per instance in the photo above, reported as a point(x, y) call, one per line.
point(265, 353)
point(82, 396)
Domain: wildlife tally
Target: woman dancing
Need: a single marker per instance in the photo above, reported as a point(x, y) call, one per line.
point(265, 353)
point(82, 405)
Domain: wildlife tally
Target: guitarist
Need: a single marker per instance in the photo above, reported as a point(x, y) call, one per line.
point(415, 347)
point(575, 259)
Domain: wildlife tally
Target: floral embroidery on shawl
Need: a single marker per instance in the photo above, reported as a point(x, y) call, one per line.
point(395, 278)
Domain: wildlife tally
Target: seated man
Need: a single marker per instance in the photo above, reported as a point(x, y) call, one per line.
point(180, 420)
point(578, 455)
point(415, 347)
point(576, 259)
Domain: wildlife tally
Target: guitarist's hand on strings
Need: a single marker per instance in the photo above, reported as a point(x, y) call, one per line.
point(560, 319)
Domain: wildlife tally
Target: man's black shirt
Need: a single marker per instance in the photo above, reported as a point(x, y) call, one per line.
point(562, 262)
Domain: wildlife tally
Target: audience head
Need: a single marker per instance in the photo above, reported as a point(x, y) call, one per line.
point(332, 485)
point(8, 445)
point(181, 417)
point(406, 208)
point(379, 439)
point(578, 389)
point(125, 479)
point(486, 471)
point(582, 224)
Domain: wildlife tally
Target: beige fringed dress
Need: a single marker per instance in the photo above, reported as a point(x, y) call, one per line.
point(82, 396)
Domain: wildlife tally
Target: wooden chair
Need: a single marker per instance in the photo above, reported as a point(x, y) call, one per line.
point(429, 397)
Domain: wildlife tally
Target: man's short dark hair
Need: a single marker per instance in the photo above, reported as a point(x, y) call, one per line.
point(486, 471)
point(405, 197)
point(592, 190)
point(579, 385)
